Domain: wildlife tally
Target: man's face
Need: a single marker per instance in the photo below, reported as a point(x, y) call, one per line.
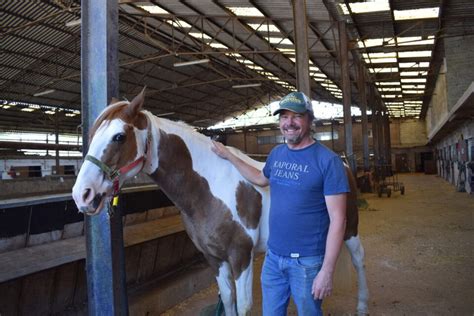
point(294, 126)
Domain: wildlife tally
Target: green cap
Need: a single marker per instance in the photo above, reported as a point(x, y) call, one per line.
point(296, 102)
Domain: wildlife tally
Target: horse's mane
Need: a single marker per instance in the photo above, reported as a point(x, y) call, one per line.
point(188, 132)
point(180, 126)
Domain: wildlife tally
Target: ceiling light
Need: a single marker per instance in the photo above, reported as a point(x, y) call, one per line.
point(27, 110)
point(44, 92)
point(192, 62)
point(250, 85)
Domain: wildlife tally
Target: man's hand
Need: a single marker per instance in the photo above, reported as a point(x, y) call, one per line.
point(220, 150)
point(322, 285)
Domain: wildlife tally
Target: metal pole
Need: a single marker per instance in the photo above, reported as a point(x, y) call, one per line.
point(375, 134)
point(363, 109)
point(346, 94)
point(301, 46)
point(105, 264)
point(56, 141)
point(387, 143)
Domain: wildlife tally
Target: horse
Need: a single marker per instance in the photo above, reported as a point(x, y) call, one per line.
point(224, 215)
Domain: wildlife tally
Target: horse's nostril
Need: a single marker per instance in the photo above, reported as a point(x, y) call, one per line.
point(86, 194)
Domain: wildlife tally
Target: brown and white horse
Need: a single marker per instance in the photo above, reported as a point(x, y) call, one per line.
point(224, 215)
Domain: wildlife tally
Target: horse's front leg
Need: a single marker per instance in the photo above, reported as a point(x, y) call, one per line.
point(357, 254)
point(226, 288)
point(244, 290)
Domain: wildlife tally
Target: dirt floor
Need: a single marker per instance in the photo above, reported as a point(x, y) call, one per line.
point(419, 256)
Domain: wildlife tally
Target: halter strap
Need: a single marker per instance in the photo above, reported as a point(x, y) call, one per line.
point(114, 174)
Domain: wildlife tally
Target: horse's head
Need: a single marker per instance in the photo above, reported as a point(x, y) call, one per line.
point(117, 151)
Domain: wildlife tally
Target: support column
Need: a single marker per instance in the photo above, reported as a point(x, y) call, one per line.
point(301, 46)
point(363, 109)
point(105, 264)
point(56, 141)
point(381, 133)
point(387, 142)
point(375, 132)
point(346, 94)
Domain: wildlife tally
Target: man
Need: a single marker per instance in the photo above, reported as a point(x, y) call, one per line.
point(308, 187)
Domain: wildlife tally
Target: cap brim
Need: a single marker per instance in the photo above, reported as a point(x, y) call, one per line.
point(288, 109)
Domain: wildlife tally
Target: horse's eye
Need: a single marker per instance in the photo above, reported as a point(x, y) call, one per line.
point(119, 138)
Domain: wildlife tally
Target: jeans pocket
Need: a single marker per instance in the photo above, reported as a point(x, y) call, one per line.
point(310, 262)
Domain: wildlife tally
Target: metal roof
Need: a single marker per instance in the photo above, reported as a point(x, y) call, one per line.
point(40, 52)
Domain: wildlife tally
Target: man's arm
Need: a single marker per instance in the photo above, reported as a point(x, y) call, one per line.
point(249, 172)
point(336, 205)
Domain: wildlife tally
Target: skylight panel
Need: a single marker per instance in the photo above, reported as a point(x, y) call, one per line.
point(387, 83)
point(412, 54)
point(414, 65)
point(200, 35)
point(380, 60)
point(245, 11)
point(415, 40)
point(367, 7)
point(178, 23)
point(344, 8)
point(217, 45)
point(286, 51)
point(413, 73)
point(383, 70)
point(279, 40)
point(413, 86)
point(390, 89)
point(370, 42)
point(423, 13)
point(153, 9)
point(264, 27)
point(379, 55)
point(413, 80)
point(319, 74)
point(413, 91)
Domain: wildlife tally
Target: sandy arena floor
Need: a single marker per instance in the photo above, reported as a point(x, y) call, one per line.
point(419, 256)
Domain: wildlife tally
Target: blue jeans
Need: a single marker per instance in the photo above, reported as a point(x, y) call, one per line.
point(285, 276)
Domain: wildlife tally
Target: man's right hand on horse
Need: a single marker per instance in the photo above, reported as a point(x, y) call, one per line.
point(220, 150)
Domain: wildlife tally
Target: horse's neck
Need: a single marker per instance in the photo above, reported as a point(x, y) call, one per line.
point(176, 146)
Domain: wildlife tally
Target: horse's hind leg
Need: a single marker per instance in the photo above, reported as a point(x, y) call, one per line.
point(244, 290)
point(226, 288)
point(357, 254)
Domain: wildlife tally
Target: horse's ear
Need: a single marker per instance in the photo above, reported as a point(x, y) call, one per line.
point(137, 103)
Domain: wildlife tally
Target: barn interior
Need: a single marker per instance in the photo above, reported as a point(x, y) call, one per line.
point(398, 70)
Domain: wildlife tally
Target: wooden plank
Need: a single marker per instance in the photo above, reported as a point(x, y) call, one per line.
point(36, 290)
point(10, 297)
point(132, 257)
point(21, 262)
point(147, 260)
point(64, 286)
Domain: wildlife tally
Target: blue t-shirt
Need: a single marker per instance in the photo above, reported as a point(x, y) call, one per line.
point(299, 180)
